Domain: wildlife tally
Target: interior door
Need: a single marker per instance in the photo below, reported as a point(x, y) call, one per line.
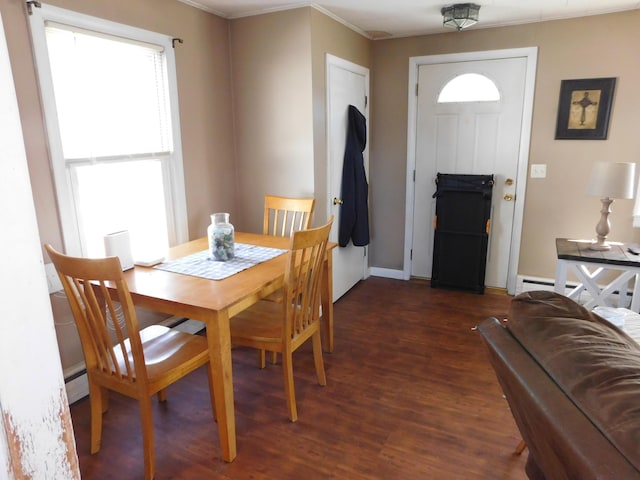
point(347, 84)
point(469, 137)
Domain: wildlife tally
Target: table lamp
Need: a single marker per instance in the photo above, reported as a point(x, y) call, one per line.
point(609, 181)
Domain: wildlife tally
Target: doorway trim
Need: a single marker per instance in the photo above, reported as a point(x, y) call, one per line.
point(531, 54)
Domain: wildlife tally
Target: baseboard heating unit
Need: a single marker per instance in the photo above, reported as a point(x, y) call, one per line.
point(528, 284)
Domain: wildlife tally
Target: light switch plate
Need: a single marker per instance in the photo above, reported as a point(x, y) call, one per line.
point(538, 170)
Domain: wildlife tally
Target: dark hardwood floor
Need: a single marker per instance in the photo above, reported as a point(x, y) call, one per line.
point(410, 395)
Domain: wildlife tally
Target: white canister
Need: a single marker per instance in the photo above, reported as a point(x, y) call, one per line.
point(118, 244)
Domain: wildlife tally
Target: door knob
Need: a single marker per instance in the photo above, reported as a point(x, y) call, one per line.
point(337, 201)
point(508, 197)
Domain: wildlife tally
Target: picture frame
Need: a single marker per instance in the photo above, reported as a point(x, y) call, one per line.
point(584, 109)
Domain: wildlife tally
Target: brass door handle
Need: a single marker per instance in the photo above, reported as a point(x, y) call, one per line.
point(337, 201)
point(508, 197)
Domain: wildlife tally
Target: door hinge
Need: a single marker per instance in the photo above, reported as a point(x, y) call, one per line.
point(414, 176)
point(366, 101)
point(411, 254)
point(416, 89)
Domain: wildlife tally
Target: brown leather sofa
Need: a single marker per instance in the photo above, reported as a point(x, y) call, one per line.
point(572, 381)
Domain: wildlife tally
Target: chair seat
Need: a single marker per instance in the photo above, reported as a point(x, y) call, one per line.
point(168, 351)
point(274, 297)
point(261, 322)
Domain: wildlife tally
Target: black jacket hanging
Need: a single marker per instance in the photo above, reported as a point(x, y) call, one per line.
point(354, 212)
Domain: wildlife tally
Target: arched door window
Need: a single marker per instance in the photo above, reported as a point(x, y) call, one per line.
point(469, 87)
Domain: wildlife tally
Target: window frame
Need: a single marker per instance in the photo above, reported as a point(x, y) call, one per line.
point(63, 174)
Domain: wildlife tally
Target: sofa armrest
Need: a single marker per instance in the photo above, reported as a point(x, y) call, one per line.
point(562, 441)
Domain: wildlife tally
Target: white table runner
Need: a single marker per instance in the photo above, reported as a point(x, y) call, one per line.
point(201, 264)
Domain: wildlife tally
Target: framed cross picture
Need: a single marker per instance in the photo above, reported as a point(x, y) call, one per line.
point(584, 109)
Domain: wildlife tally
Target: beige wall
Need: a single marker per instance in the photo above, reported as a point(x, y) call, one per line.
point(329, 36)
point(556, 206)
point(278, 65)
point(204, 91)
point(271, 71)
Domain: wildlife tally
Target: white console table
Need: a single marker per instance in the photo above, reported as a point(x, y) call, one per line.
point(589, 266)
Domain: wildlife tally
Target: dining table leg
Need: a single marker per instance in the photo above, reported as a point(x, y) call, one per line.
point(326, 298)
point(219, 340)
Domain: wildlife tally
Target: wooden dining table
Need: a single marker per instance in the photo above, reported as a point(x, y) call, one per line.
point(214, 302)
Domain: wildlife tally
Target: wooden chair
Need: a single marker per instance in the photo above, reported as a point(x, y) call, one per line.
point(283, 216)
point(284, 326)
point(119, 356)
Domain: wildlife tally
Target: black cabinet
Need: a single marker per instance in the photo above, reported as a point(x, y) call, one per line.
point(461, 236)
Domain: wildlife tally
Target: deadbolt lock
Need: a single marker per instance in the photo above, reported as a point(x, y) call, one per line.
point(508, 197)
point(508, 181)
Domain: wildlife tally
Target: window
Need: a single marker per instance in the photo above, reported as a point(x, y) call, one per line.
point(469, 87)
point(110, 100)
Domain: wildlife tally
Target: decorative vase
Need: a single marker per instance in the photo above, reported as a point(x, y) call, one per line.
point(221, 237)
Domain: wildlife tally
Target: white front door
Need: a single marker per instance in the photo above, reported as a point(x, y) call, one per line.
point(470, 137)
point(347, 84)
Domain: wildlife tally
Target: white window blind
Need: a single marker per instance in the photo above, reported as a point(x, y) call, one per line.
point(111, 95)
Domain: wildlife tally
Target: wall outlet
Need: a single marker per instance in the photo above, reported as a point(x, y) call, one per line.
point(53, 281)
point(538, 170)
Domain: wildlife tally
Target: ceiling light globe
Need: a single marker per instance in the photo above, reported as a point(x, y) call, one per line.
point(460, 15)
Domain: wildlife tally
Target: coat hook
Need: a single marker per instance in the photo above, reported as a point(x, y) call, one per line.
point(174, 40)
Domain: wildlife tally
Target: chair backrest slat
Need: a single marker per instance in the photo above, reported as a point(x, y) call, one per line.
point(98, 336)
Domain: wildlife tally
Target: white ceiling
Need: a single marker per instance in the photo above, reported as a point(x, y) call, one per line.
point(402, 18)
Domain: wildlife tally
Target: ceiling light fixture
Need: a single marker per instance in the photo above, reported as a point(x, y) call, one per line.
point(460, 15)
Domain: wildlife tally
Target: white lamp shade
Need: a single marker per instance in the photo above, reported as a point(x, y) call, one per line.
point(612, 180)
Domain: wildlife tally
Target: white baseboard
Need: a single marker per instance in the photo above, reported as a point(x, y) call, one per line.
point(524, 283)
point(386, 273)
